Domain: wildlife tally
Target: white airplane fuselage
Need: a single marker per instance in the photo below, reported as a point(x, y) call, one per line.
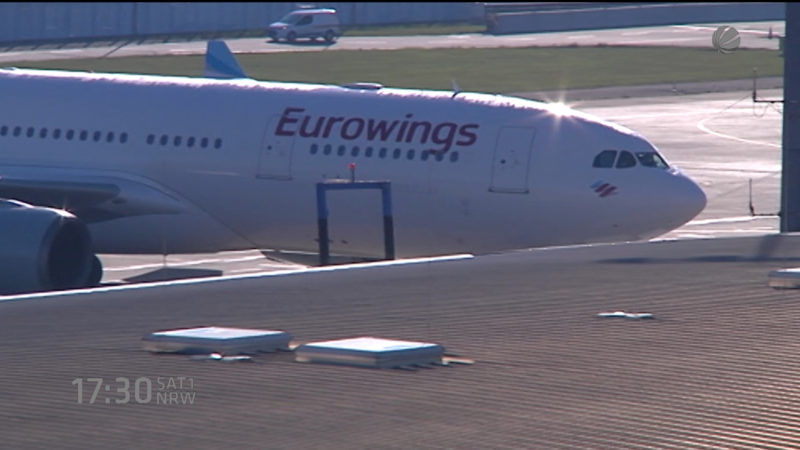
point(238, 162)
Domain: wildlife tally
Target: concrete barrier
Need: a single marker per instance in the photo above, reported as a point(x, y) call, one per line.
point(638, 15)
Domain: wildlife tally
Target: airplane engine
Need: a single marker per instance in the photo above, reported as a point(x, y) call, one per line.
point(44, 249)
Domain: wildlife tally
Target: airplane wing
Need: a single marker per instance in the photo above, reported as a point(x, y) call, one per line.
point(92, 196)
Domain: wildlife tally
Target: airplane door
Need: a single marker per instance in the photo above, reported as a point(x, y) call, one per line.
point(275, 159)
point(511, 160)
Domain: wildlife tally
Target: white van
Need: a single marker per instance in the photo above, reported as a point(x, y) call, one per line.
point(307, 23)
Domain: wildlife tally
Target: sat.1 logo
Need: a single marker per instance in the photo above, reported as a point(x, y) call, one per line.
point(726, 39)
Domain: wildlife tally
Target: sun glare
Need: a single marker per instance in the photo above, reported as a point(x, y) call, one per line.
point(560, 109)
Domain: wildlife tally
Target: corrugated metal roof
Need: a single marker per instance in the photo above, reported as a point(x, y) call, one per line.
point(716, 368)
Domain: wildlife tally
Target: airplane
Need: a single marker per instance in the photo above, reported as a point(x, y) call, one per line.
point(97, 163)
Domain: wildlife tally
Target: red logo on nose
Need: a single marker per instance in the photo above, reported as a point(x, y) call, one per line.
point(604, 189)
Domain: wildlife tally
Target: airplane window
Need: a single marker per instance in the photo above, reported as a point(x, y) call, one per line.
point(57, 133)
point(164, 139)
point(84, 134)
point(410, 155)
point(383, 152)
point(70, 134)
point(454, 156)
point(110, 136)
point(651, 159)
point(17, 131)
point(439, 156)
point(368, 152)
point(605, 159)
point(30, 131)
point(424, 156)
point(355, 151)
point(190, 142)
point(97, 135)
point(217, 143)
point(150, 139)
point(625, 160)
point(328, 149)
point(314, 149)
point(176, 141)
point(43, 133)
point(123, 137)
point(3, 130)
point(204, 142)
point(396, 154)
point(341, 151)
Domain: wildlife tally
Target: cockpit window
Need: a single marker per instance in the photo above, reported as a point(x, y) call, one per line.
point(651, 159)
point(625, 160)
point(605, 159)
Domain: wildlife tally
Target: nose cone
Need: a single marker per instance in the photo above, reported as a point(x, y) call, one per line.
point(675, 200)
point(695, 199)
point(684, 200)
